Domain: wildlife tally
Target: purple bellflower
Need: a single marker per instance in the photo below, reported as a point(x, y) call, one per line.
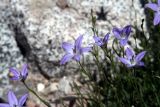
point(122, 34)
point(131, 59)
point(13, 101)
point(73, 51)
point(101, 41)
point(19, 75)
point(155, 7)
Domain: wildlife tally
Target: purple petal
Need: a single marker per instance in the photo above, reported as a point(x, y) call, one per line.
point(158, 2)
point(140, 63)
point(125, 61)
point(140, 56)
point(12, 99)
point(117, 32)
point(4, 105)
point(15, 78)
point(98, 41)
point(68, 47)
point(16, 74)
point(78, 42)
point(66, 58)
point(152, 6)
point(105, 40)
point(14, 71)
point(129, 53)
point(22, 100)
point(156, 20)
point(77, 57)
point(123, 42)
point(24, 71)
point(127, 30)
point(85, 49)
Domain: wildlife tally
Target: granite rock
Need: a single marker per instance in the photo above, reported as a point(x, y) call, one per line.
point(44, 25)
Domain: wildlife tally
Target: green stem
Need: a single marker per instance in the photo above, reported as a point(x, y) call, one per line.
point(84, 71)
point(32, 91)
point(114, 48)
point(105, 51)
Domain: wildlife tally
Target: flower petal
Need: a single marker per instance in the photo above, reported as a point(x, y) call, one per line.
point(98, 41)
point(23, 99)
point(105, 40)
point(4, 105)
point(14, 71)
point(12, 99)
point(85, 49)
point(152, 6)
point(129, 53)
point(158, 1)
point(67, 47)
point(16, 74)
point(77, 57)
point(15, 78)
point(140, 63)
point(66, 58)
point(123, 42)
point(127, 30)
point(140, 56)
point(24, 71)
point(125, 61)
point(78, 42)
point(117, 32)
point(156, 20)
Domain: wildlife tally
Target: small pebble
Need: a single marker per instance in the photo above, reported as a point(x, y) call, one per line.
point(40, 87)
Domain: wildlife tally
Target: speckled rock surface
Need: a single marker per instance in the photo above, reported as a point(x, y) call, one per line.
point(10, 54)
point(44, 25)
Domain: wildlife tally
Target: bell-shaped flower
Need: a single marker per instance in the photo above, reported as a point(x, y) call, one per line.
point(122, 34)
point(73, 51)
point(13, 101)
point(132, 59)
point(156, 8)
point(101, 41)
point(19, 75)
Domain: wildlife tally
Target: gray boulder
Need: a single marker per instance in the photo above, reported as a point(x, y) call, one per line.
point(32, 31)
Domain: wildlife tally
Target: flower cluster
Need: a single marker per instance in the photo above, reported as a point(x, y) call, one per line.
point(121, 34)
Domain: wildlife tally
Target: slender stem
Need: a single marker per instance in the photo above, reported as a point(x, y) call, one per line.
point(95, 86)
point(45, 102)
point(114, 48)
point(84, 71)
point(79, 94)
point(105, 51)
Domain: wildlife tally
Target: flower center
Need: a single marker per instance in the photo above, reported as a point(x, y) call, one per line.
point(76, 51)
point(101, 41)
point(133, 61)
point(123, 36)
